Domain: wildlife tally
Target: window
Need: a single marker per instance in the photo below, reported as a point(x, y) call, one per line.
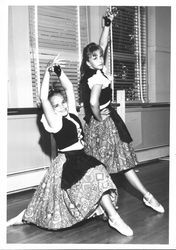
point(64, 29)
point(53, 30)
point(129, 53)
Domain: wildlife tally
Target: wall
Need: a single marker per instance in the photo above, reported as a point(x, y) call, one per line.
point(28, 151)
point(28, 143)
point(159, 39)
point(149, 128)
point(95, 22)
point(19, 67)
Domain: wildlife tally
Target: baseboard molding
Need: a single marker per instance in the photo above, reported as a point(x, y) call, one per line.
point(26, 180)
point(152, 153)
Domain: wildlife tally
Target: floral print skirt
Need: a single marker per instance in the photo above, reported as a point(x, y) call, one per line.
point(53, 208)
point(102, 141)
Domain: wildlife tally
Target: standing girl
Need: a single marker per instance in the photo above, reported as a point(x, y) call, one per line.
point(106, 136)
point(76, 186)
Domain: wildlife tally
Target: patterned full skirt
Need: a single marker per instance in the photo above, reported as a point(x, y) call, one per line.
point(53, 207)
point(102, 140)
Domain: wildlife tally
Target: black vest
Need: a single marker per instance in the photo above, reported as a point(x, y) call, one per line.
point(68, 135)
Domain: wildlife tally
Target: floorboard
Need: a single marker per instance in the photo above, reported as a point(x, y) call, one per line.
point(149, 227)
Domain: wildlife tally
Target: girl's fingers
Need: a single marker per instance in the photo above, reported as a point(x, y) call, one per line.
point(49, 64)
point(112, 12)
point(105, 112)
point(56, 59)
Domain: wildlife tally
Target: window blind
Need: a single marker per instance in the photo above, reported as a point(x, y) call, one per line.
point(53, 30)
point(129, 53)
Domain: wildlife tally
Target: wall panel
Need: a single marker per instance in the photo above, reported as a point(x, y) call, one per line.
point(28, 145)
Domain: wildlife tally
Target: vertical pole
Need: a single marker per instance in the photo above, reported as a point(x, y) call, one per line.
point(140, 63)
point(111, 59)
point(37, 50)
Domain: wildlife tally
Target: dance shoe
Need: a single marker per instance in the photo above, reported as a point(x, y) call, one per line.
point(117, 223)
point(150, 201)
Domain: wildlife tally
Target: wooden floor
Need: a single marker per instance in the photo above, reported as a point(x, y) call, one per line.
point(149, 227)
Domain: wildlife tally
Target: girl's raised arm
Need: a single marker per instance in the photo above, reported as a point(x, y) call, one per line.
point(53, 120)
point(68, 87)
point(105, 32)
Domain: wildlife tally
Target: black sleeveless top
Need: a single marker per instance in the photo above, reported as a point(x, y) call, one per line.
point(68, 135)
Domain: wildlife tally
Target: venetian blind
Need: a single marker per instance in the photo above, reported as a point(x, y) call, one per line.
point(129, 53)
point(53, 30)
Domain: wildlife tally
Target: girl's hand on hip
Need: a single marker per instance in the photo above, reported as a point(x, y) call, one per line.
point(105, 113)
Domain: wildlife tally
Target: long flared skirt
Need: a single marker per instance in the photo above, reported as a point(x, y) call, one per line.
point(53, 208)
point(102, 141)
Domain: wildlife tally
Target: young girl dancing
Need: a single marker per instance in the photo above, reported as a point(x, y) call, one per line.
point(106, 136)
point(76, 186)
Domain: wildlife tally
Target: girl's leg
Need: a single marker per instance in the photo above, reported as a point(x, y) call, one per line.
point(148, 198)
point(17, 220)
point(115, 220)
point(135, 181)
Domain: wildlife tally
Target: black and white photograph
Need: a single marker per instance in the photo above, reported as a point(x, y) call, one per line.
point(88, 136)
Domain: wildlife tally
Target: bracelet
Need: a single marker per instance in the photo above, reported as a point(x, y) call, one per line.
point(107, 21)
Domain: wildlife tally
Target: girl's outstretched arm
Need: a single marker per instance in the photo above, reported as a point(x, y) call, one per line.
point(68, 86)
point(52, 119)
point(105, 32)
